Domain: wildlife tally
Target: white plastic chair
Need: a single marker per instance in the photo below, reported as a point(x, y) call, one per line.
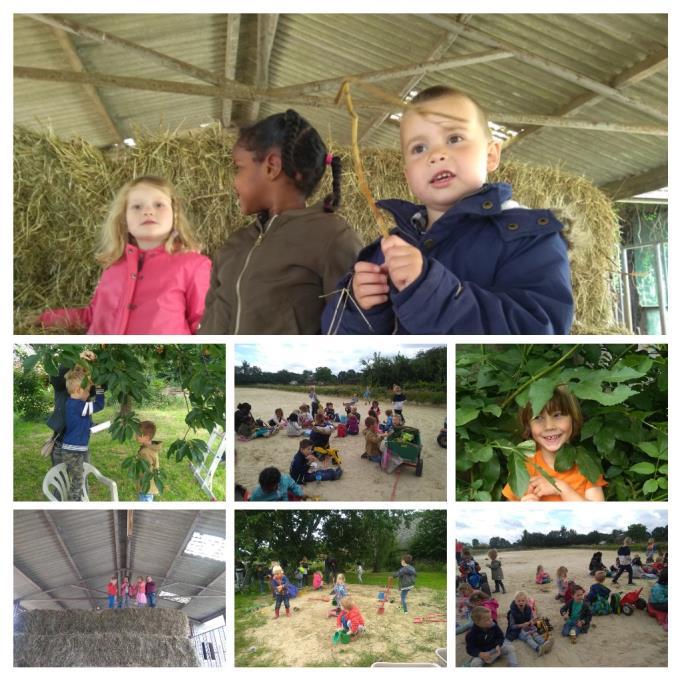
point(57, 478)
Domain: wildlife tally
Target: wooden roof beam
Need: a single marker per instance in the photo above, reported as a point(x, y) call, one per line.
point(374, 105)
point(76, 64)
point(549, 66)
point(267, 29)
point(634, 74)
point(230, 68)
point(436, 53)
point(39, 588)
point(67, 554)
point(637, 184)
point(417, 68)
point(99, 36)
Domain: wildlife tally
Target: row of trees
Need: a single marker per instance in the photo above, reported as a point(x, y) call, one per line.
point(369, 536)
point(565, 537)
point(427, 366)
point(623, 394)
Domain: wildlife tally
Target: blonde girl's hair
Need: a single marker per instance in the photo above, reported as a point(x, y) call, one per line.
point(520, 593)
point(341, 577)
point(561, 571)
point(114, 235)
point(492, 554)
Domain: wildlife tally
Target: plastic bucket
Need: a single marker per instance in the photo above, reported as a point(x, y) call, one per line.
point(340, 637)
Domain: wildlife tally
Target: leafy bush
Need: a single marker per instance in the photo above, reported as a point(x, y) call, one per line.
point(31, 398)
point(622, 391)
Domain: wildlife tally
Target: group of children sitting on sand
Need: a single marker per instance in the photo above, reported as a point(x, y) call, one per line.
point(477, 610)
point(314, 459)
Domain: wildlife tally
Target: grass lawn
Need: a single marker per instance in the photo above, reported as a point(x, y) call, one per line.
point(106, 455)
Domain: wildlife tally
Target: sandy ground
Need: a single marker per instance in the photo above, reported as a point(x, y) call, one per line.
point(390, 635)
point(613, 640)
point(362, 480)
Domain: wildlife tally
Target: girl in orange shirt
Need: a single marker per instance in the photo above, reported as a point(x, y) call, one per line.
point(559, 421)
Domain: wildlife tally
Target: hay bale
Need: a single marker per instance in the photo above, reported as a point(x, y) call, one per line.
point(63, 189)
point(160, 621)
point(126, 637)
point(112, 649)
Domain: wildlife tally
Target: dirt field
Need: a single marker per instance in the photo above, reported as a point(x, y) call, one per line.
point(613, 640)
point(306, 638)
point(362, 480)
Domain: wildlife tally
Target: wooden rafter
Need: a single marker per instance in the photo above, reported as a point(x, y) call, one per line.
point(436, 53)
point(266, 30)
point(634, 74)
point(548, 66)
point(417, 68)
point(637, 184)
point(257, 95)
point(76, 64)
point(230, 69)
point(67, 554)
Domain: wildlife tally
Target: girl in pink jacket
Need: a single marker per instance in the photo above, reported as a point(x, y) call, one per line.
point(154, 281)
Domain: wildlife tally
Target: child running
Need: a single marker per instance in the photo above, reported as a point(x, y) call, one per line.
point(154, 281)
point(271, 277)
point(559, 422)
point(407, 576)
point(470, 260)
point(521, 626)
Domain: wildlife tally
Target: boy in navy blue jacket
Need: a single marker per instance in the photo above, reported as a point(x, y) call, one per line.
point(469, 260)
point(485, 641)
point(78, 417)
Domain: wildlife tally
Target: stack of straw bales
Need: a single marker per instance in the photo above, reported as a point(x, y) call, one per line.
point(114, 638)
point(62, 190)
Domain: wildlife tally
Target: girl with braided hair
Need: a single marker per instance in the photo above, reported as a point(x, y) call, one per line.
point(272, 276)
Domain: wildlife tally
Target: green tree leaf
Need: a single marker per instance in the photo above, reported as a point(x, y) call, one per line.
point(650, 486)
point(588, 464)
point(518, 474)
point(540, 393)
point(464, 415)
point(644, 468)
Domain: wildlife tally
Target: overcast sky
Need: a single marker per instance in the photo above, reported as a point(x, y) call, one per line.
point(502, 521)
point(337, 353)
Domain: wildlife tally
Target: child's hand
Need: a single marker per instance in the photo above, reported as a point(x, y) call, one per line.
point(404, 262)
point(88, 355)
point(540, 487)
point(369, 285)
point(580, 623)
point(530, 497)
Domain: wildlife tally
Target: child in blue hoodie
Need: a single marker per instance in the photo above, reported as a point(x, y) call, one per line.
point(485, 641)
point(78, 417)
point(469, 260)
point(407, 576)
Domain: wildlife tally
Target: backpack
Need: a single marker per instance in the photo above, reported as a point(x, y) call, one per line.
point(615, 603)
point(474, 579)
point(601, 607)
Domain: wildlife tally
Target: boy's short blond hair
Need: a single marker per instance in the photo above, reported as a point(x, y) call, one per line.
point(478, 613)
point(600, 576)
point(440, 91)
point(347, 602)
point(74, 379)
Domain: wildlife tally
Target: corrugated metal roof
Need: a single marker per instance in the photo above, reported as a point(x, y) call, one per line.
point(62, 557)
point(599, 48)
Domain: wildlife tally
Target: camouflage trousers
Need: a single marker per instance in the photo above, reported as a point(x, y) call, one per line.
point(74, 467)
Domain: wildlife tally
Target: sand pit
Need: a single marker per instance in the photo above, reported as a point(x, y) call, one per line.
point(614, 640)
point(362, 480)
point(306, 638)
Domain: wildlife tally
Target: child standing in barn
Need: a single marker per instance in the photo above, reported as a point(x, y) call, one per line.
point(271, 277)
point(112, 587)
point(141, 591)
point(469, 260)
point(154, 281)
